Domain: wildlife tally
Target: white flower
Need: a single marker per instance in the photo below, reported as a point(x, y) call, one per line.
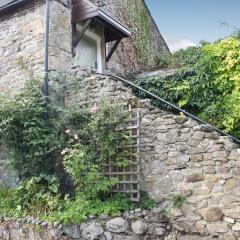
point(76, 137)
point(63, 152)
point(67, 131)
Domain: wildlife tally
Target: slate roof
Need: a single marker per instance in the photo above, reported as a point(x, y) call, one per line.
point(7, 5)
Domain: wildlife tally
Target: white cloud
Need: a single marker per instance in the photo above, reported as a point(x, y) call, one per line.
point(183, 44)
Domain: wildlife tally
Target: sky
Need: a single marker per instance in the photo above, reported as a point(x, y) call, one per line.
point(184, 23)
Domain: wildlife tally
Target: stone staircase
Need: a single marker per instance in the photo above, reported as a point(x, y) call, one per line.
point(177, 157)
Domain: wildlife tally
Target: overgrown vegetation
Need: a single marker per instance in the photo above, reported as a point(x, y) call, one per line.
point(37, 135)
point(28, 134)
point(206, 83)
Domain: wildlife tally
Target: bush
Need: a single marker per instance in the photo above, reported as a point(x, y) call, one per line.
point(36, 196)
point(207, 84)
point(7, 203)
point(27, 130)
point(93, 141)
point(86, 138)
point(78, 209)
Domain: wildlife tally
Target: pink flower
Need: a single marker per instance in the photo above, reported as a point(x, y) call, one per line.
point(94, 109)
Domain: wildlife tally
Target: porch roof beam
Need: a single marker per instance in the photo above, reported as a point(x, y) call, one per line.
point(78, 37)
point(113, 50)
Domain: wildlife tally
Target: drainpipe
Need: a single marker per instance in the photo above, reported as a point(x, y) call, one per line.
point(46, 70)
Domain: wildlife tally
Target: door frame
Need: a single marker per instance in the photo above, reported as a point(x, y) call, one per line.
point(98, 40)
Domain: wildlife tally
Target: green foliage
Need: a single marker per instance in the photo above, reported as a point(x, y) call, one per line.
point(94, 140)
point(27, 131)
point(92, 137)
point(178, 201)
point(137, 17)
point(77, 210)
point(35, 196)
point(7, 203)
point(145, 202)
point(188, 57)
point(207, 84)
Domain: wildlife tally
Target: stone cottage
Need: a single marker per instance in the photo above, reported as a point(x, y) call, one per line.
point(176, 156)
point(102, 35)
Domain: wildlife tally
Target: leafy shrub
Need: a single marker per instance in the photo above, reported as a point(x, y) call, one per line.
point(27, 129)
point(38, 195)
point(7, 203)
point(78, 209)
point(207, 84)
point(95, 140)
point(86, 138)
point(91, 138)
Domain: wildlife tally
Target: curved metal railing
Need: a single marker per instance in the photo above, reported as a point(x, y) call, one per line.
point(173, 106)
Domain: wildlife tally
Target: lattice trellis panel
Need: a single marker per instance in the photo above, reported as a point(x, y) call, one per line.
point(129, 177)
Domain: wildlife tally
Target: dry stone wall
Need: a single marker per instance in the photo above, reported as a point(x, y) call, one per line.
point(134, 225)
point(178, 157)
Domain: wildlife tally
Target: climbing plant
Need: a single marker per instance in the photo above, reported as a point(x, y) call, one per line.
point(137, 17)
point(36, 135)
point(93, 139)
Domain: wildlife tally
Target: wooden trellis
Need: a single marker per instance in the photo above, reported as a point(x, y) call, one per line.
point(129, 177)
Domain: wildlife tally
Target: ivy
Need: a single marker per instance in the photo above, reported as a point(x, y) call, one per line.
point(139, 21)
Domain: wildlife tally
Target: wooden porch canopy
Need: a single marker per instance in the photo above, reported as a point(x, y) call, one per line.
point(85, 12)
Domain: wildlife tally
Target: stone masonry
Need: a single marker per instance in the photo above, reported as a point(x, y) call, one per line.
point(134, 225)
point(178, 157)
point(22, 41)
point(139, 53)
point(21, 46)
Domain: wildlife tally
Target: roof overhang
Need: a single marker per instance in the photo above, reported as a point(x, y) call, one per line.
point(84, 10)
point(9, 5)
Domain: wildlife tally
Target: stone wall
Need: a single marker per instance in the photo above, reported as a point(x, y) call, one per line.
point(21, 45)
point(181, 157)
point(178, 157)
point(22, 41)
point(140, 52)
point(135, 54)
point(133, 225)
point(60, 36)
point(21, 51)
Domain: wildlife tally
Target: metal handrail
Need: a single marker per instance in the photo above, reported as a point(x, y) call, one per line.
point(173, 106)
